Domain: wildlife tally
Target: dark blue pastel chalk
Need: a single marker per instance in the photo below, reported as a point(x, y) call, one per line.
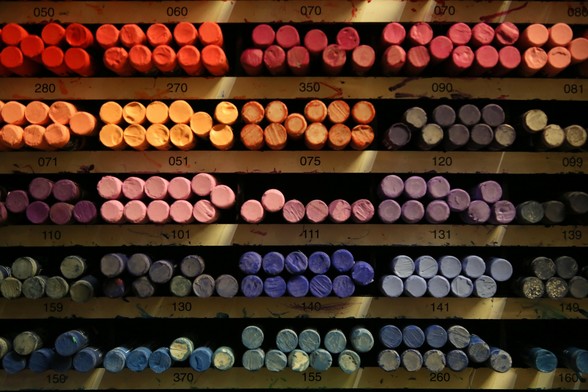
point(115, 360)
point(13, 362)
point(274, 286)
point(362, 273)
point(343, 286)
point(321, 286)
point(457, 360)
point(390, 336)
point(541, 359)
point(413, 336)
point(273, 263)
point(342, 260)
point(70, 342)
point(40, 360)
point(478, 350)
point(296, 262)
point(201, 358)
point(319, 262)
point(252, 337)
point(160, 360)
point(138, 359)
point(250, 262)
point(500, 361)
point(576, 359)
point(436, 336)
point(251, 286)
point(87, 359)
point(298, 286)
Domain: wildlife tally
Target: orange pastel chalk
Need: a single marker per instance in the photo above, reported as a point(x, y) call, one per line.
point(535, 34)
point(221, 136)
point(276, 111)
point(578, 48)
point(37, 112)
point(34, 137)
point(61, 111)
point(215, 60)
point(13, 112)
point(252, 112)
point(53, 59)
point(180, 112)
point(182, 137)
point(135, 136)
point(82, 123)
point(210, 33)
point(315, 136)
point(107, 36)
point(533, 60)
point(134, 112)
point(32, 47)
point(79, 61)
point(201, 124)
point(295, 125)
point(57, 135)
point(13, 59)
point(558, 59)
point(157, 112)
point(131, 34)
point(185, 33)
point(111, 112)
point(11, 136)
point(141, 58)
point(78, 36)
point(158, 34)
point(362, 137)
point(339, 136)
point(252, 136)
point(117, 60)
point(13, 33)
point(190, 60)
point(363, 112)
point(112, 136)
point(315, 111)
point(158, 137)
point(560, 34)
point(338, 111)
point(53, 33)
point(226, 113)
point(164, 58)
point(275, 136)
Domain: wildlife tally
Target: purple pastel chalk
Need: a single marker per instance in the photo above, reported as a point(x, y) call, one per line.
point(502, 212)
point(438, 187)
point(488, 191)
point(17, 201)
point(413, 211)
point(389, 211)
point(437, 211)
point(40, 188)
point(343, 286)
point(415, 187)
point(38, 212)
point(61, 213)
point(321, 286)
point(458, 200)
point(85, 212)
point(66, 190)
point(478, 212)
point(390, 187)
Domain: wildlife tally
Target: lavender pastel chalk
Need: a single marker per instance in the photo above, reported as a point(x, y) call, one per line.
point(462, 286)
point(413, 211)
point(438, 187)
point(438, 286)
point(390, 187)
point(389, 211)
point(415, 187)
point(502, 212)
point(473, 266)
point(437, 211)
point(488, 191)
point(478, 212)
point(458, 200)
point(415, 286)
point(499, 269)
point(426, 266)
point(402, 266)
point(391, 285)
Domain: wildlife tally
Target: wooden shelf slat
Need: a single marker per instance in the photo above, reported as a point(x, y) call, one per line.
point(369, 377)
point(289, 307)
point(372, 161)
point(294, 234)
point(292, 11)
point(285, 87)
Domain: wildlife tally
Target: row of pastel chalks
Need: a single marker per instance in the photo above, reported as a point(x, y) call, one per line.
point(549, 136)
point(214, 197)
point(553, 278)
point(26, 54)
point(471, 276)
point(39, 126)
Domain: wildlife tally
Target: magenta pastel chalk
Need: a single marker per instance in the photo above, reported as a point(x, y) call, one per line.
point(17, 201)
point(502, 212)
point(298, 60)
point(274, 59)
point(37, 212)
point(334, 59)
point(362, 211)
point(251, 60)
point(61, 213)
point(40, 188)
point(389, 211)
point(85, 212)
point(347, 38)
point(413, 211)
point(339, 210)
point(393, 34)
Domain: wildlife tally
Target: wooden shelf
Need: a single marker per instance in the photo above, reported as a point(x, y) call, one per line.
point(290, 307)
point(296, 11)
point(371, 161)
point(370, 377)
point(285, 87)
point(293, 234)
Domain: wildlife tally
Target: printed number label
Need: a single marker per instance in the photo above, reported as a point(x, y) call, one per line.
point(440, 307)
point(314, 306)
point(176, 11)
point(182, 306)
point(47, 162)
point(178, 234)
point(572, 162)
point(183, 377)
point(442, 161)
point(441, 234)
point(442, 87)
point(309, 87)
point(45, 88)
point(577, 12)
point(573, 88)
point(177, 161)
point(440, 377)
point(177, 87)
point(441, 10)
point(573, 307)
point(312, 376)
point(51, 235)
point(309, 160)
point(568, 377)
point(571, 235)
point(310, 234)
point(310, 10)
point(43, 12)
point(53, 307)
point(56, 378)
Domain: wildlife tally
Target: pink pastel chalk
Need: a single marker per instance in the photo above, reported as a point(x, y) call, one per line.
point(252, 211)
point(112, 211)
point(293, 211)
point(317, 211)
point(158, 211)
point(109, 187)
point(205, 212)
point(135, 211)
point(182, 211)
point(156, 188)
point(203, 183)
point(222, 197)
point(133, 188)
point(180, 188)
point(339, 210)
